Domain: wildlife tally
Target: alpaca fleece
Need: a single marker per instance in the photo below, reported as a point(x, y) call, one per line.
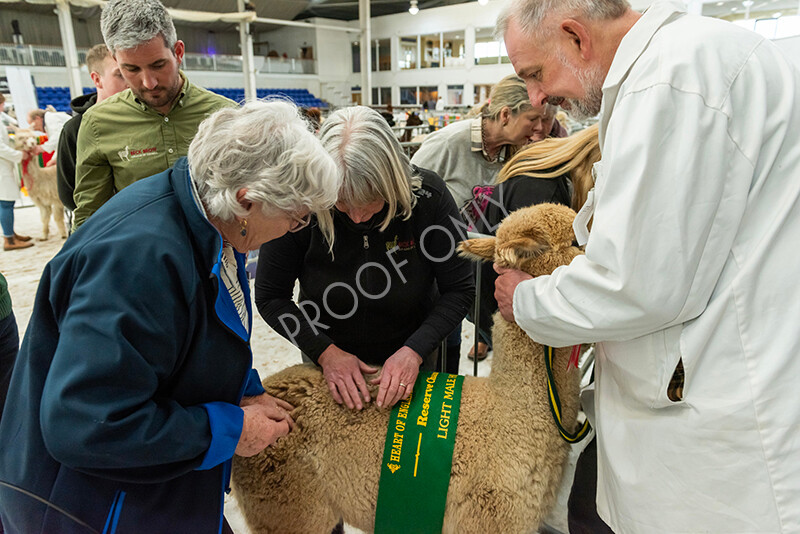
point(508, 457)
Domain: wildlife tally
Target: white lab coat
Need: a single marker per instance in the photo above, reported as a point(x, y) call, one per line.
point(9, 157)
point(53, 124)
point(693, 255)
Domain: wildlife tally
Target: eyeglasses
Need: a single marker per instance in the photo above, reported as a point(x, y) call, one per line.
point(300, 222)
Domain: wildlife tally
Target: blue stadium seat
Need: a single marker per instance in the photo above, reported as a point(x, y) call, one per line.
point(300, 97)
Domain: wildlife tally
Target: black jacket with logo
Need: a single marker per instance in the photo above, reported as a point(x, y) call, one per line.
point(380, 290)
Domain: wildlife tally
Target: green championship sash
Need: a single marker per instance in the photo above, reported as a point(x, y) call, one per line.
point(418, 456)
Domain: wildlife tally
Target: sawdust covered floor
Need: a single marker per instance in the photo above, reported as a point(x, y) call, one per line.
point(271, 352)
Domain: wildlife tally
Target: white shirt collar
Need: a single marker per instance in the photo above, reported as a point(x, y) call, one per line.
point(636, 40)
point(632, 46)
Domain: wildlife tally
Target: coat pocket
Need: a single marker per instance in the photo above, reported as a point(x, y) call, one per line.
point(648, 370)
point(670, 377)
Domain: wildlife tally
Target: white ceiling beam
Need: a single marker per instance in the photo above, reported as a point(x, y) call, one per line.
point(305, 25)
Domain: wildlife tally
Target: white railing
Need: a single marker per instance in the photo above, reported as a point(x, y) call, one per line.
point(53, 56)
point(43, 56)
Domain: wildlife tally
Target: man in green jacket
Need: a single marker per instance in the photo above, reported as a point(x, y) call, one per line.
point(142, 131)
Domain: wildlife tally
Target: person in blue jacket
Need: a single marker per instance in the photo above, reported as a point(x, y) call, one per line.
point(134, 386)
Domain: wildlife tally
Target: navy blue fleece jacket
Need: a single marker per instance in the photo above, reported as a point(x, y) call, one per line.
point(125, 410)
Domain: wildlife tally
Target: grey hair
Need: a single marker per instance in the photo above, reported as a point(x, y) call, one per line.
point(509, 92)
point(126, 24)
point(267, 148)
point(371, 161)
point(529, 14)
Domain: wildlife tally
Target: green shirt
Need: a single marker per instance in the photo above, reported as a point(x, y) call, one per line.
point(122, 140)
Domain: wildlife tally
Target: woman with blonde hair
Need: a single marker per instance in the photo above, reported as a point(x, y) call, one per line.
point(390, 288)
point(557, 170)
point(569, 158)
point(472, 152)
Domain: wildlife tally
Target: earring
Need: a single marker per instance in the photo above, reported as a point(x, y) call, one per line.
point(243, 223)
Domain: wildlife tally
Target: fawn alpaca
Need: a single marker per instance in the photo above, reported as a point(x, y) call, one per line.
point(508, 457)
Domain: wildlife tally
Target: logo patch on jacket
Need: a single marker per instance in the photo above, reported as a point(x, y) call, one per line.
point(128, 152)
point(401, 245)
point(422, 192)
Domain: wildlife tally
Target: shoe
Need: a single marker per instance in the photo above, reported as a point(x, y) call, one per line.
point(11, 244)
point(483, 351)
point(23, 238)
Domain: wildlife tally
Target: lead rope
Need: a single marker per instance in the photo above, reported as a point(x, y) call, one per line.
point(555, 402)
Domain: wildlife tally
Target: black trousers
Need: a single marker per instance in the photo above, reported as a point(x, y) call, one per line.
point(582, 515)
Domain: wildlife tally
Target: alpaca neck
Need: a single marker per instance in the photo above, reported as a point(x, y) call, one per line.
point(517, 358)
point(520, 362)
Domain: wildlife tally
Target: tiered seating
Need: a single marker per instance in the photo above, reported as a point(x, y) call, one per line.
point(237, 95)
point(301, 97)
point(58, 97)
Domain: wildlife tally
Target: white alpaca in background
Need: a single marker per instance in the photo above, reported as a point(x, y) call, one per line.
point(40, 182)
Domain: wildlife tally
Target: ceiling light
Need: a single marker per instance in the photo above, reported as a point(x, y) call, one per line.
point(413, 9)
point(483, 2)
point(720, 3)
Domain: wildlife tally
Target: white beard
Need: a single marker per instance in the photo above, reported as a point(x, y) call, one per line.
point(592, 84)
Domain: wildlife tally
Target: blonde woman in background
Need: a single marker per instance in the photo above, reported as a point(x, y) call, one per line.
point(536, 170)
point(557, 170)
point(471, 152)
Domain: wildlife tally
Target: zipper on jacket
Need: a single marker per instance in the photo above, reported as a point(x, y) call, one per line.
point(113, 514)
point(366, 283)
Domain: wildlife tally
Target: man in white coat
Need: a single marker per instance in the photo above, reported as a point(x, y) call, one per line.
point(689, 274)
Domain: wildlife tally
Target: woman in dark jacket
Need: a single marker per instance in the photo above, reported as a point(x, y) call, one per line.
point(389, 287)
point(134, 385)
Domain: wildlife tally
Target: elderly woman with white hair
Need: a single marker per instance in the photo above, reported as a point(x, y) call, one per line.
point(389, 288)
point(134, 385)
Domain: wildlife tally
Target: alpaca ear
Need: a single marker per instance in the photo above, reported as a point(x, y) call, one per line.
point(521, 248)
point(481, 248)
